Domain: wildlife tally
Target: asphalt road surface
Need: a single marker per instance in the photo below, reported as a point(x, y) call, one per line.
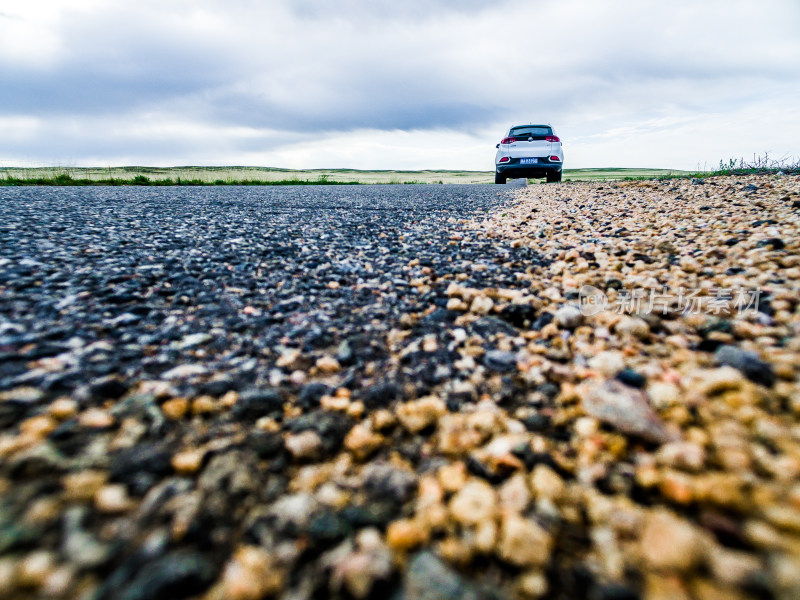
point(166, 356)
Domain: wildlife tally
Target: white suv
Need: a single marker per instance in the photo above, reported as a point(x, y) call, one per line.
point(529, 151)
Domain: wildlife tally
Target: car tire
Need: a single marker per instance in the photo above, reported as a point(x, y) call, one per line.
point(499, 178)
point(554, 177)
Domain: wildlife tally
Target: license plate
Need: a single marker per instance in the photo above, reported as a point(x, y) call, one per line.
point(528, 161)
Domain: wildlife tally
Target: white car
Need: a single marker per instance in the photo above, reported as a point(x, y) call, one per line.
point(529, 151)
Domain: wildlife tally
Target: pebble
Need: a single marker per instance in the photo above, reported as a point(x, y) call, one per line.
point(456, 304)
point(297, 377)
point(663, 394)
point(429, 578)
point(33, 570)
point(688, 456)
point(290, 358)
point(523, 542)
point(406, 534)
point(632, 326)
point(631, 378)
point(83, 485)
point(43, 510)
point(38, 427)
point(475, 502)
point(82, 548)
point(96, 418)
point(608, 362)
point(177, 569)
point(783, 571)
point(359, 569)
point(175, 408)
point(58, 582)
point(193, 340)
point(499, 360)
point(568, 316)
point(250, 574)
point(419, 414)
point(481, 305)
point(452, 476)
point(362, 442)
point(626, 409)
point(748, 363)
point(188, 461)
point(514, 494)
point(586, 427)
point(665, 587)
point(733, 567)
point(712, 382)
point(204, 405)
point(306, 445)
point(332, 495)
point(328, 365)
point(113, 498)
point(63, 408)
point(546, 483)
point(22, 395)
point(293, 510)
point(670, 543)
point(386, 482)
point(184, 372)
point(533, 584)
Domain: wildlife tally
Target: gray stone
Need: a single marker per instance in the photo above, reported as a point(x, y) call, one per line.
point(752, 367)
point(626, 409)
point(83, 549)
point(429, 578)
point(500, 360)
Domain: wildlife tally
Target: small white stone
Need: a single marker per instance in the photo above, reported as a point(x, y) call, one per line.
point(481, 305)
point(568, 316)
point(288, 359)
point(304, 445)
point(298, 377)
point(112, 498)
point(514, 494)
point(459, 335)
point(533, 584)
point(586, 426)
point(663, 394)
point(609, 362)
point(184, 371)
point(732, 567)
point(682, 455)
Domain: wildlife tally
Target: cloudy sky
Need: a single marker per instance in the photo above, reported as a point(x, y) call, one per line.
point(381, 85)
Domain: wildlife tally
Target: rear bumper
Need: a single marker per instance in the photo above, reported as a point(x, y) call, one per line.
point(513, 169)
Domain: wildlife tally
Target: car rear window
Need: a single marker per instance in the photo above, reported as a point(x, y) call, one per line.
point(536, 131)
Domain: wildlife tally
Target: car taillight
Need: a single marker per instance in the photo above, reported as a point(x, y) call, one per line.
point(555, 158)
point(504, 159)
point(552, 138)
point(508, 140)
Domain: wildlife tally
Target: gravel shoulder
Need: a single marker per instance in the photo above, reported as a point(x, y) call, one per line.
point(393, 392)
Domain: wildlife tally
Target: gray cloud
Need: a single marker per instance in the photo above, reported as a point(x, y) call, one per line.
point(287, 70)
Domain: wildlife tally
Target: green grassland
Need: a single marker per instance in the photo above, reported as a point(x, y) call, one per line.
point(610, 174)
point(274, 176)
